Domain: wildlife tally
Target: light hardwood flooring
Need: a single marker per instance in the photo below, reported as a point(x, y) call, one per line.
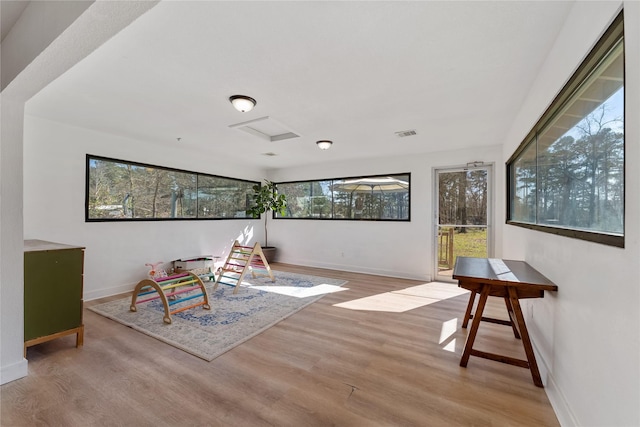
point(326, 365)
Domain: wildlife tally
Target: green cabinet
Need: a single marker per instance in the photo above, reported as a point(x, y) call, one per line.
point(53, 281)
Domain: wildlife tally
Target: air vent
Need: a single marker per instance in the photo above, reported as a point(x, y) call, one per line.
point(404, 133)
point(269, 154)
point(266, 128)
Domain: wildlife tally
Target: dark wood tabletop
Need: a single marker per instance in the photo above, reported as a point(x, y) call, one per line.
point(500, 272)
point(512, 281)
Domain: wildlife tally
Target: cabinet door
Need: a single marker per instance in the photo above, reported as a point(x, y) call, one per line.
point(52, 292)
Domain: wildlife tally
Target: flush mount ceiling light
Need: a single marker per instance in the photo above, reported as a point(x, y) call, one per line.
point(324, 144)
point(242, 103)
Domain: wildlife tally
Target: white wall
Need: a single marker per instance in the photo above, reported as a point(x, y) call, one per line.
point(400, 249)
point(587, 335)
point(14, 365)
point(54, 204)
point(54, 200)
point(29, 72)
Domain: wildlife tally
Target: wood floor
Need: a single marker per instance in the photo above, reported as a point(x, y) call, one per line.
point(323, 366)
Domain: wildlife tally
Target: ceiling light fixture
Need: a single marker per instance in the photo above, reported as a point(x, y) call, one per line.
point(242, 103)
point(324, 144)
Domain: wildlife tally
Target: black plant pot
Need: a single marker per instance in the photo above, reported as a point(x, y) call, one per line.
point(269, 253)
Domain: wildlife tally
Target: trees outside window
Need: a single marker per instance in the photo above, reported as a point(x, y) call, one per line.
point(380, 197)
point(568, 176)
point(122, 190)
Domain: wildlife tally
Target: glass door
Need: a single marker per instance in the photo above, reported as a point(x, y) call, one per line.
point(462, 216)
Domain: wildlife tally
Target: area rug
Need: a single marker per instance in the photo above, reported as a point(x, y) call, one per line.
point(233, 319)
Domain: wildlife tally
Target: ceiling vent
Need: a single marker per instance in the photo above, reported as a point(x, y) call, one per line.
point(404, 133)
point(266, 128)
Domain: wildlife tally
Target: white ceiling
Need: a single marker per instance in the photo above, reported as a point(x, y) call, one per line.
point(10, 11)
point(351, 72)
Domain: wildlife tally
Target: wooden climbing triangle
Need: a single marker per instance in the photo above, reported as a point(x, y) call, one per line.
point(241, 260)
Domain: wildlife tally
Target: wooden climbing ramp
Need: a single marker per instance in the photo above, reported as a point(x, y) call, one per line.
point(169, 290)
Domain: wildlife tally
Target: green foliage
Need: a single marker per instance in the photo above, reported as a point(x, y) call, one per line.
point(472, 243)
point(266, 198)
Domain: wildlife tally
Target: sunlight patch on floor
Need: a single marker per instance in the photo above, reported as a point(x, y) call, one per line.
point(448, 329)
point(435, 290)
point(405, 299)
point(388, 301)
point(451, 347)
point(297, 292)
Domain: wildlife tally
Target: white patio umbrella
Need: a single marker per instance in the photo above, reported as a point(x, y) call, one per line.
point(366, 185)
point(371, 186)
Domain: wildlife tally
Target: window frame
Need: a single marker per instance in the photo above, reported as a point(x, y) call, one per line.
point(90, 157)
point(408, 219)
point(609, 40)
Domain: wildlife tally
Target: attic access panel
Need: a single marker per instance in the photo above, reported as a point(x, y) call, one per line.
point(266, 128)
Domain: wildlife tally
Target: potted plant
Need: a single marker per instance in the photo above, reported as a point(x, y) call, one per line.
point(266, 198)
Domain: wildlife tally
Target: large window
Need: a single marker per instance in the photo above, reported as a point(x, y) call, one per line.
point(567, 177)
point(381, 197)
point(122, 190)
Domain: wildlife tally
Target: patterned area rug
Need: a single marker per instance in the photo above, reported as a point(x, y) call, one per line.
point(233, 319)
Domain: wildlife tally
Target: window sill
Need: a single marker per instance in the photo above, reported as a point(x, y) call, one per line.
point(615, 240)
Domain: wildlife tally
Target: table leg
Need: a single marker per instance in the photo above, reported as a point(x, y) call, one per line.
point(477, 317)
point(526, 341)
point(514, 322)
point(467, 314)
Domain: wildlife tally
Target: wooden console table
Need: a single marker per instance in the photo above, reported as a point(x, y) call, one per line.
point(511, 280)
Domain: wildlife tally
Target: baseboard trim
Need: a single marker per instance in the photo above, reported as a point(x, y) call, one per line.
point(356, 269)
point(122, 289)
point(559, 403)
point(14, 371)
point(102, 293)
